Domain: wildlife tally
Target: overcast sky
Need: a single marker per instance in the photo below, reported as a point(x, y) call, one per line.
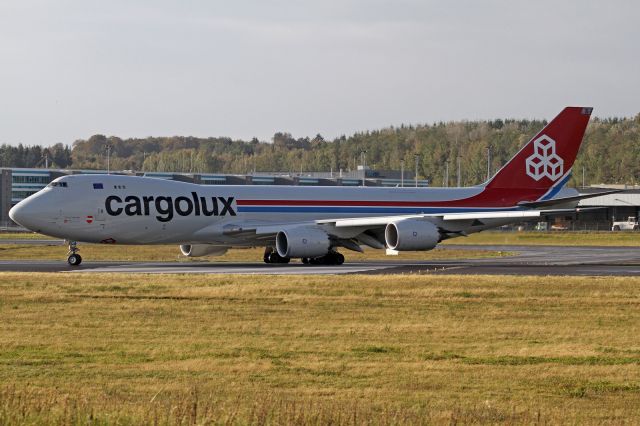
point(71, 69)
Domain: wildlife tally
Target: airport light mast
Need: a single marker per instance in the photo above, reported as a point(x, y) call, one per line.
point(108, 149)
point(363, 156)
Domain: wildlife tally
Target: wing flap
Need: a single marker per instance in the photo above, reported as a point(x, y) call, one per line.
point(493, 215)
point(368, 221)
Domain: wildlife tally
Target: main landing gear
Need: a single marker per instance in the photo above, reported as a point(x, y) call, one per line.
point(74, 258)
point(272, 256)
point(331, 258)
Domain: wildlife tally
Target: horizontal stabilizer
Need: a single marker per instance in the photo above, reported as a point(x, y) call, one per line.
point(563, 200)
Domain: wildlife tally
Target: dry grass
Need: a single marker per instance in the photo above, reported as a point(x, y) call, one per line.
point(24, 236)
point(132, 349)
point(93, 252)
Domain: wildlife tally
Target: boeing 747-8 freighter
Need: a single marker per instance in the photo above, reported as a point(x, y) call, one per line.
point(309, 223)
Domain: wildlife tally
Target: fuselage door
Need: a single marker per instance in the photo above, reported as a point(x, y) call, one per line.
point(100, 214)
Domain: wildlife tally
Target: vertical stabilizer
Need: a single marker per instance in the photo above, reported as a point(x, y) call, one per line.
point(548, 157)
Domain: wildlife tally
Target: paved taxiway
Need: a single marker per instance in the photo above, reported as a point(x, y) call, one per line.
point(528, 260)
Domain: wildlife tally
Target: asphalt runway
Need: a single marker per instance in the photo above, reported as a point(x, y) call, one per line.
point(528, 260)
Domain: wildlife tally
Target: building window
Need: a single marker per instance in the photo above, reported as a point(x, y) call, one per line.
point(22, 194)
point(30, 179)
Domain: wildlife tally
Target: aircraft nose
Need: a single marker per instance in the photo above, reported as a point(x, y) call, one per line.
point(25, 213)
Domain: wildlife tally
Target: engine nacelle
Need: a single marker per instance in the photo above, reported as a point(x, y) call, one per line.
point(302, 241)
point(411, 234)
point(197, 250)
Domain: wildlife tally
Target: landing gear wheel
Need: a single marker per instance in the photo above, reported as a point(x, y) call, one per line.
point(305, 260)
point(268, 251)
point(276, 258)
point(272, 256)
point(331, 258)
point(74, 258)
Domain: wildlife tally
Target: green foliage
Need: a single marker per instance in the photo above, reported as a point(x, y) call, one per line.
point(58, 156)
point(610, 153)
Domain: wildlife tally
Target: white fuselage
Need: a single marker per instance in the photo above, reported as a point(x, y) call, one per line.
point(138, 210)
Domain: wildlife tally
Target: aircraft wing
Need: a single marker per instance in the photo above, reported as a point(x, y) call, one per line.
point(446, 217)
point(533, 211)
point(352, 233)
point(381, 221)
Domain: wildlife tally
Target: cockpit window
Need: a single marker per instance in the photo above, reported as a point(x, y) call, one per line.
point(57, 184)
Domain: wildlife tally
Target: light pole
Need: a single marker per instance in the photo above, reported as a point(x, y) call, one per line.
point(108, 148)
point(459, 172)
point(402, 173)
point(363, 160)
point(488, 163)
point(446, 175)
point(416, 157)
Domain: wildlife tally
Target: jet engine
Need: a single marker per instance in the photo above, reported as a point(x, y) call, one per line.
point(303, 241)
point(411, 234)
point(196, 250)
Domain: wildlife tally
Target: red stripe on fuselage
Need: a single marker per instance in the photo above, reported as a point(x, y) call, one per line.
point(487, 198)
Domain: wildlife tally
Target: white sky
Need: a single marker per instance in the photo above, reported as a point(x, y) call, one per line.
point(70, 69)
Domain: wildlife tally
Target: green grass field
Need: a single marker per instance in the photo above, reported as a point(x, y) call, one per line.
point(132, 349)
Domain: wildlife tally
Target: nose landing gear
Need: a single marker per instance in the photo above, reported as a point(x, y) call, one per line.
point(74, 258)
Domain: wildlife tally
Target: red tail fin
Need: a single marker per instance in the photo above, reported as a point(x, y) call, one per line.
point(549, 156)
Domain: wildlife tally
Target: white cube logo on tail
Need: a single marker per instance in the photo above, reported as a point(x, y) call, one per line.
point(544, 161)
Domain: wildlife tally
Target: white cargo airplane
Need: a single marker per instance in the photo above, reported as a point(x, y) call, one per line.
point(306, 222)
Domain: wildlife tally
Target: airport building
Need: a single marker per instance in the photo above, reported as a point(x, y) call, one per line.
point(17, 184)
point(610, 208)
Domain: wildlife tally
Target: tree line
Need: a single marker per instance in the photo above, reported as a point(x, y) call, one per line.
point(56, 156)
point(610, 152)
